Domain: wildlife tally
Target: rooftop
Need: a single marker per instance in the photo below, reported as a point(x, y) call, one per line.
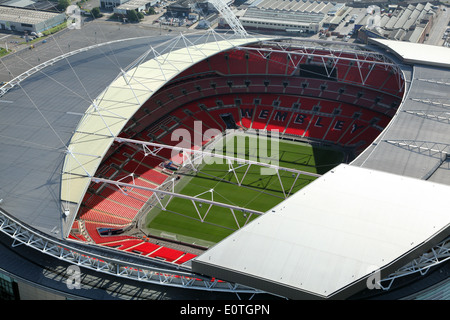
point(133, 4)
point(25, 15)
point(267, 15)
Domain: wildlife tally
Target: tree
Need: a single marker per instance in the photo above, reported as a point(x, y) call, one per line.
point(63, 4)
point(96, 12)
point(132, 16)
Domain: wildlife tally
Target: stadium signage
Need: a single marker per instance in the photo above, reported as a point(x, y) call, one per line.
point(299, 118)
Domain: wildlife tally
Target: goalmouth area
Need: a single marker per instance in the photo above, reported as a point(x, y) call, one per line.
point(236, 183)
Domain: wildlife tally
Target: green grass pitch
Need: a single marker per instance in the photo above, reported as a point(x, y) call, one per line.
point(258, 191)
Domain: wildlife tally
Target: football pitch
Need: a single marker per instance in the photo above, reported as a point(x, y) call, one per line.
point(237, 184)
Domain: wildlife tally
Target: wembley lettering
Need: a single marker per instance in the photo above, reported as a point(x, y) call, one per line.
point(299, 119)
point(263, 114)
point(246, 113)
point(280, 116)
point(318, 124)
point(339, 125)
point(355, 127)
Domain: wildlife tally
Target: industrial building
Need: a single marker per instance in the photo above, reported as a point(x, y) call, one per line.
point(21, 19)
point(180, 8)
point(411, 23)
point(137, 5)
point(294, 17)
point(132, 5)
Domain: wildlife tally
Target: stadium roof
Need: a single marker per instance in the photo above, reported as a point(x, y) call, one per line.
point(113, 108)
point(38, 117)
point(42, 135)
point(415, 143)
point(379, 211)
point(344, 223)
point(327, 239)
point(412, 53)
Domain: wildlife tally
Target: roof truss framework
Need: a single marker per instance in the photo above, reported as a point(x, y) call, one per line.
point(440, 116)
point(423, 147)
point(364, 60)
point(170, 276)
point(193, 158)
point(432, 103)
point(229, 16)
point(22, 235)
point(436, 256)
point(439, 151)
point(204, 153)
point(233, 169)
point(174, 194)
point(434, 81)
point(111, 110)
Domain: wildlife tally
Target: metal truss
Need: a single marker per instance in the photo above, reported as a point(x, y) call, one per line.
point(174, 194)
point(174, 276)
point(182, 278)
point(229, 17)
point(434, 81)
point(194, 199)
point(436, 256)
point(362, 59)
point(440, 116)
point(192, 157)
point(17, 80)
point(432, 103)
point(214, 155)
point(430, 148)
point(315, 50)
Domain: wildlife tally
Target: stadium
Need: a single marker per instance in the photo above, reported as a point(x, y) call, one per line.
point(215, 166)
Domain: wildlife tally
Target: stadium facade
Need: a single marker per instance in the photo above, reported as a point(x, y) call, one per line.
point(376, 216)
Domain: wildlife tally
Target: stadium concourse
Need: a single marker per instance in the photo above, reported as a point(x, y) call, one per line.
point(77, 173)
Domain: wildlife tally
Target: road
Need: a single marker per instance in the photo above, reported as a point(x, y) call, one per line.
point(90, 33)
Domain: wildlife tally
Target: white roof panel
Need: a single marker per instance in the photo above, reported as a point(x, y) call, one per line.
point(418, 52)
point(369, 220)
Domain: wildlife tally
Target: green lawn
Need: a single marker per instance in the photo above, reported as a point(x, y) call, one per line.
point(258, 191)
